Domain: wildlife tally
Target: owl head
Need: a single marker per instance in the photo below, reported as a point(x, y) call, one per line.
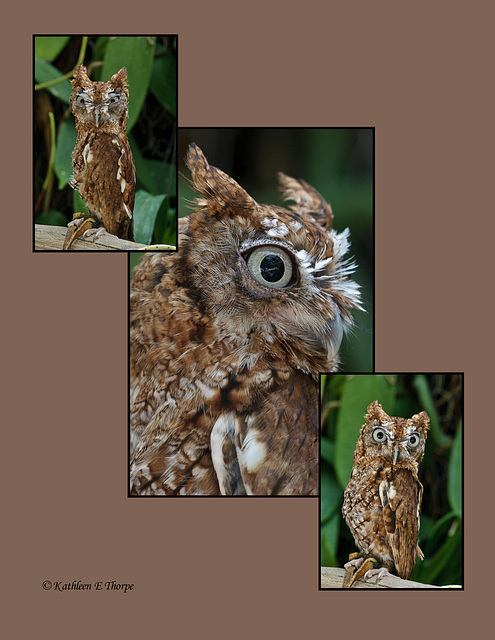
point(396, 439)
point(268, 274)
point(100, 104)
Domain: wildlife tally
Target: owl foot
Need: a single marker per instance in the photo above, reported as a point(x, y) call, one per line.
point(94, 233)
point(358, 567)
point(378, 572)
point(79, 225)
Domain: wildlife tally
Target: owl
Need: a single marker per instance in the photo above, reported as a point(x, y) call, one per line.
point(382, 501)
point(227, 337)
point(102, 162)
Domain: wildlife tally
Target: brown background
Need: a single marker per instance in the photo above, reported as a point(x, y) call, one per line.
point(421, 73)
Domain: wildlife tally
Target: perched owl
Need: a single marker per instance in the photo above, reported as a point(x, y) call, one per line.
point(382, 501)
point(102, 162)
point(227, 337)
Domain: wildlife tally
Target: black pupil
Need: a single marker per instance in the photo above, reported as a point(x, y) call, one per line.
point(272, 268)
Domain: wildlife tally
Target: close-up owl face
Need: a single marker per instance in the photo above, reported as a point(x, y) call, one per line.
point(270, 273)
point(396, 439)
point(100, 103)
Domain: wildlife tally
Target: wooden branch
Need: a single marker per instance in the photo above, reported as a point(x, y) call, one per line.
point(49, 237)
point(332, 578)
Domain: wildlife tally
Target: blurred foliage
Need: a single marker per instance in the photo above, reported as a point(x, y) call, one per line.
point(344, 401)
point(151, 64)
point(337, 162)
point(134, 258)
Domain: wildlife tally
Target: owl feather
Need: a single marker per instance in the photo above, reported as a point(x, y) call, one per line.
point(228, 336)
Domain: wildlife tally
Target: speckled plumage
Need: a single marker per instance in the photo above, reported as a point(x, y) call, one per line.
point(227, 338)
point(382, 501)
point(102, 162)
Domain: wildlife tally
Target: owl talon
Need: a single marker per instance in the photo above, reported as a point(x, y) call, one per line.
point(351, 567)
point(95, 233)
point(379, 573)
point(79, 225)
point(358, 568)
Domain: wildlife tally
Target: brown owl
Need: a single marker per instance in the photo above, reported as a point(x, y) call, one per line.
point(102, 162)
point(227, 337)
point(382, 501)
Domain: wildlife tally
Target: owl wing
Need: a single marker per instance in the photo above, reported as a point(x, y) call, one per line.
point(224, 455)
point(273, 449)
point(401, 501)
point(110, 183)
point(173, 458)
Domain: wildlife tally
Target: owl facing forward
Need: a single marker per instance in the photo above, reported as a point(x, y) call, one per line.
point(382, 501)
point(102, 162)
point(227, 338)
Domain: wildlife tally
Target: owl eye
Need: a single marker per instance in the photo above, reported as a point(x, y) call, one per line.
point(270, 265)
point(414, 440)
point(114, 98)
point(81, 98)
point(379, 435)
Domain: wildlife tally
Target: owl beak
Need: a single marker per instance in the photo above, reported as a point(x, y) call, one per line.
point(396, 452)
point(335, 332)
point(97, 116)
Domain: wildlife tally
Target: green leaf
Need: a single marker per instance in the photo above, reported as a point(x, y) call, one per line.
point(134, 53)
point(331, 495)
point(454, 487)
point(450, 552)
point(358, 392)
point(424, 394)
point(327, 450)
point(146, 209)
point(49, 47)
point(323, 379)
point(78, 203)
point(45, 72)
point(335, 385)
point(66, 141)
point(52, 217)
point(166, 226)
point(163, 83)
point(99, 54)
point(155, 176)
point(134, 258)
point(329, 535)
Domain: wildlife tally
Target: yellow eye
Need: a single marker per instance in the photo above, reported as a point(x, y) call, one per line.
point(271, 265)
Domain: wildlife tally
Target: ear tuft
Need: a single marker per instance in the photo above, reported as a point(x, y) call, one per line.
point(307, 199)
point(223, 195)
